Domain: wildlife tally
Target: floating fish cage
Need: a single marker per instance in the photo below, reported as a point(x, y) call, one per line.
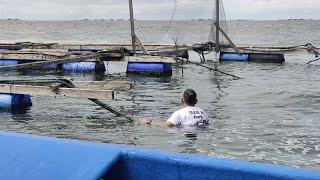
point(252, 57)
point(150, 68)
point(14, 101)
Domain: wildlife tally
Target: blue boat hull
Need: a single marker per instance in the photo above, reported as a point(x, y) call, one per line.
point(34, 157)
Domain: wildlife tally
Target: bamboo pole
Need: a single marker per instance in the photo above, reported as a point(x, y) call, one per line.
point(133, 34)
point(229, 40)
point(217, 25)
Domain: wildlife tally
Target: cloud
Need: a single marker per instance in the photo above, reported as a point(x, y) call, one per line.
point(156, 9)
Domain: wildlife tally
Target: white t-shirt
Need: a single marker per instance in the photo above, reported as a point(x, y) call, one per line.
point(192, 116)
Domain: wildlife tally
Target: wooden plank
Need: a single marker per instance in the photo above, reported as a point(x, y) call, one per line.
point(149, 47)
point(104, 85)
point(43, 63)
point(140, 44)
point(150, 59)
point(133, 34)
point(30, 56)
point(51, 91)
point(53, 46)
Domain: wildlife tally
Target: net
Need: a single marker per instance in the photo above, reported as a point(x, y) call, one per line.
point(222, 23)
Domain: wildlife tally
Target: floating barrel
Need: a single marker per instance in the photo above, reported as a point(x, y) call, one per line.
point(8, 62)
point(79, 66)
point(266, 58)
point(229, 56)
point(252, 57)
point(150, 68)
point(14, 101)
point(10, 47)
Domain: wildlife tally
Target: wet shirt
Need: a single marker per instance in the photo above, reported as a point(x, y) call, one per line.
point(191, 116)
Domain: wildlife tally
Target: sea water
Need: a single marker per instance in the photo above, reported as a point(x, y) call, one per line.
point(271, 115)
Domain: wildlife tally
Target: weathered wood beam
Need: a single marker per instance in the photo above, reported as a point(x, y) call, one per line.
point(217, 23)
point(144, 50)
point(133, 34)
point(34, 65)
point(104, 85)
point(94, 85)
point(30, 56)
point(56, 91)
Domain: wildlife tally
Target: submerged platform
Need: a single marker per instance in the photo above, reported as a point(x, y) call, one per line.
point(34, 157)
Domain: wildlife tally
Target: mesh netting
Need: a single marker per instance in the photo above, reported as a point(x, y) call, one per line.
point(222, 24)
point(189, 22)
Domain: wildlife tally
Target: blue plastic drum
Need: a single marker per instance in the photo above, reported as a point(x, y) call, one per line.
point(148, 68)
point(228, 56)
point(14, 101)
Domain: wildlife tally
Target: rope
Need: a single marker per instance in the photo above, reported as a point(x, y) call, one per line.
point(172, 16)
point(313, 61)
point(211, 68)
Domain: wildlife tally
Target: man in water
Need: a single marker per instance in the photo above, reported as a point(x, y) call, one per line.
point(190, 115)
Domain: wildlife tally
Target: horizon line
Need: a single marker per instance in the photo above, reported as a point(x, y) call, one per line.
point(121, 19)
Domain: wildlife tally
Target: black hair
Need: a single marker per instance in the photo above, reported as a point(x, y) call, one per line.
point(190, 97)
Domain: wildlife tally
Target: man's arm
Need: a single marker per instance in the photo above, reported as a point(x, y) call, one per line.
point(157, 123)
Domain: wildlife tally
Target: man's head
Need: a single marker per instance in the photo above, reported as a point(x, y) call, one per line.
point(190, 97)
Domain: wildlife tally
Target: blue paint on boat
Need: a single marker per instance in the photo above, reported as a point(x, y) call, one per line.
point(229, 56)
point(14, 101)
point(34, 157)
point(150, 68)
point(8, 62)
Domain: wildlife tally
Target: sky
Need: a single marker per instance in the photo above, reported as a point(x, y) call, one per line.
point(157, 9)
